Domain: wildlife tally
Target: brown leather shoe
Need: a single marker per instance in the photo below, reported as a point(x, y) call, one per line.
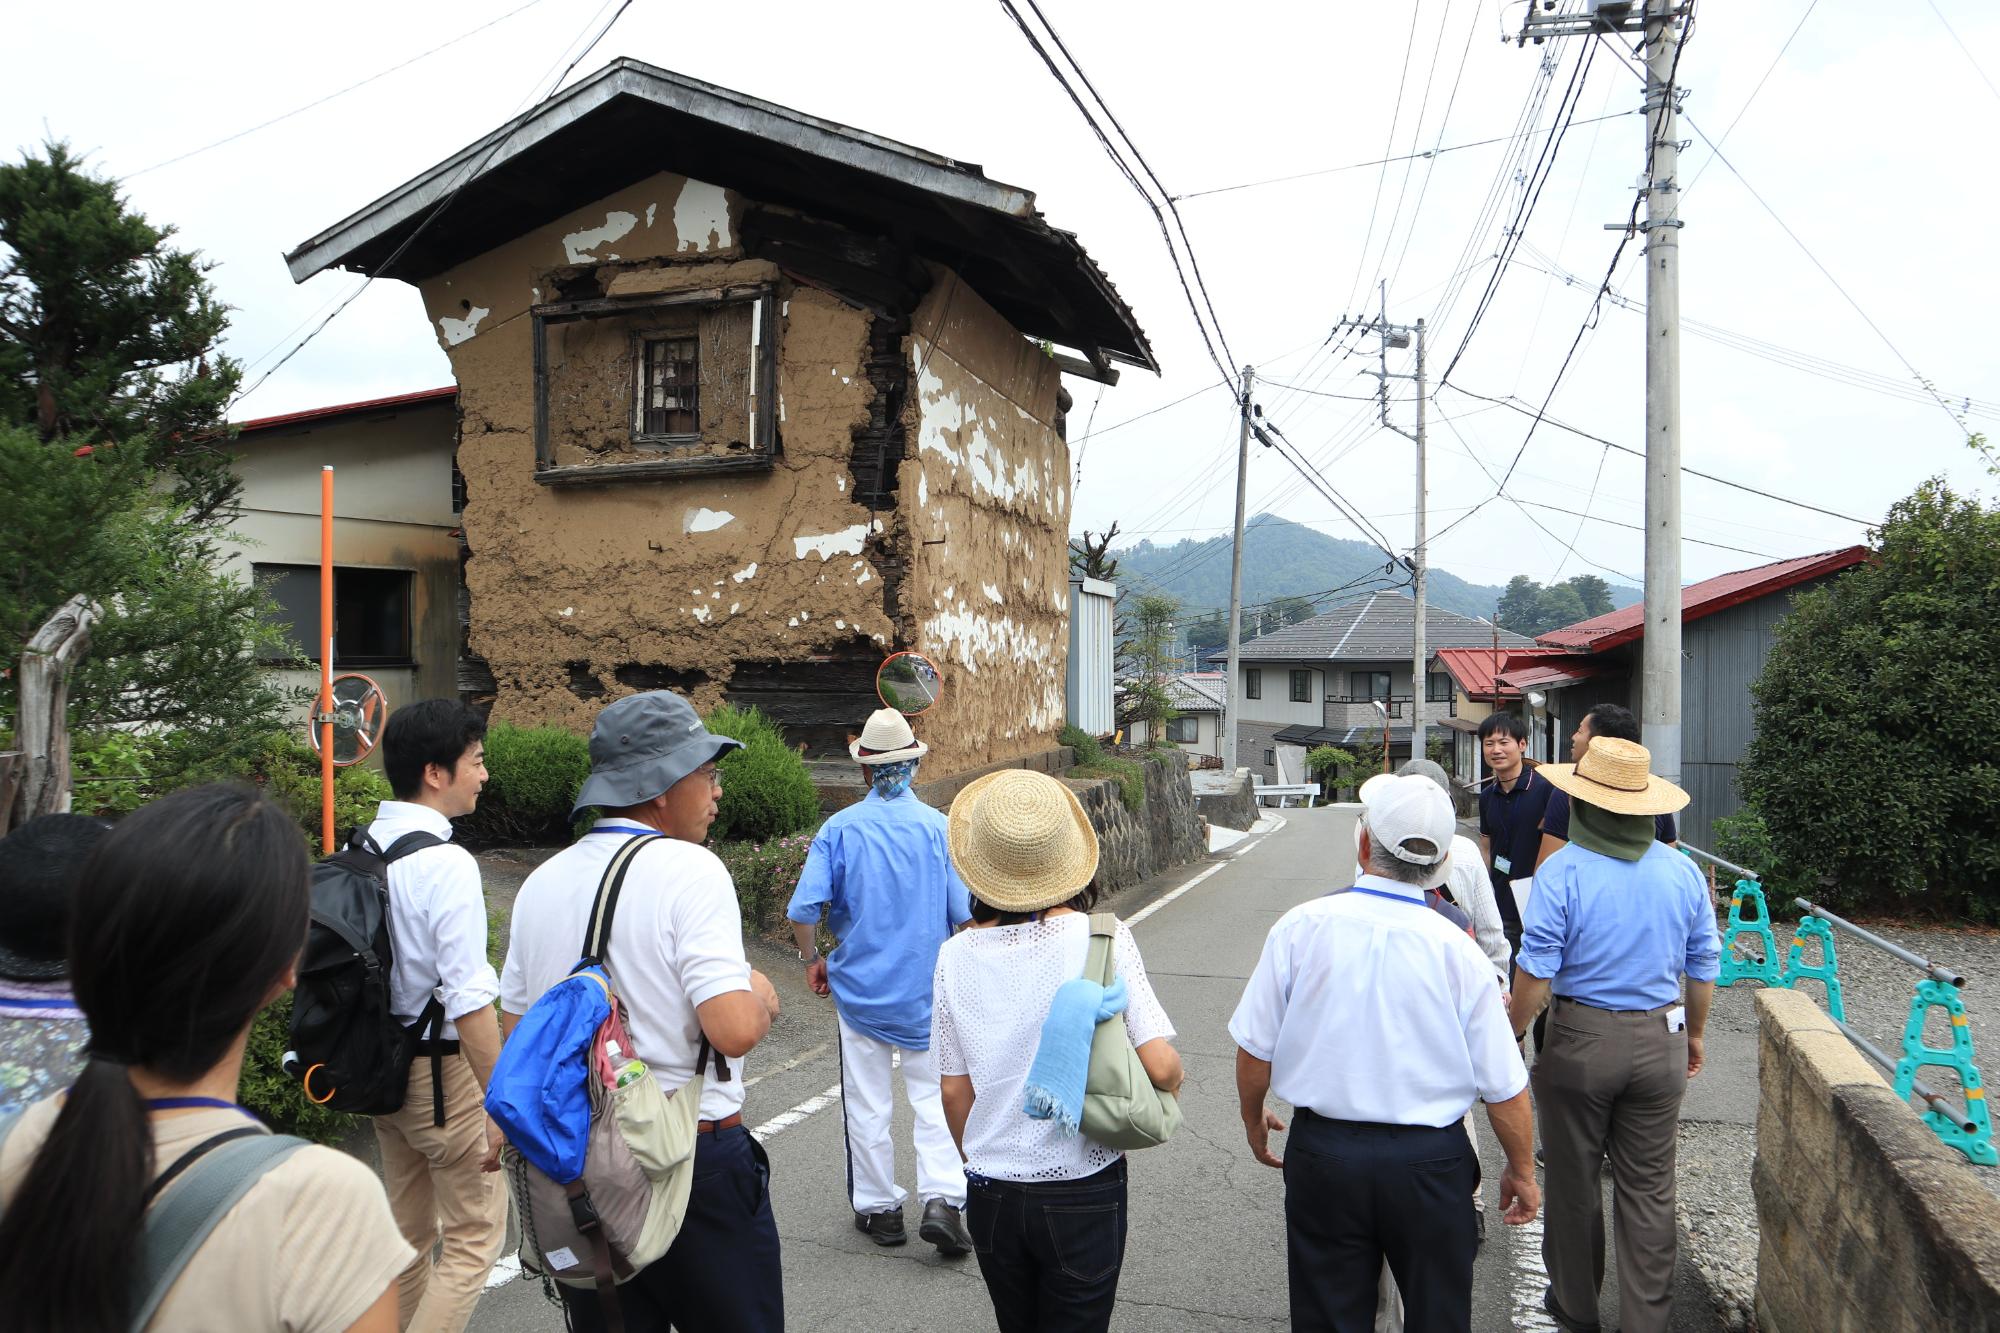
point(944, 1227)
point(885, 1228)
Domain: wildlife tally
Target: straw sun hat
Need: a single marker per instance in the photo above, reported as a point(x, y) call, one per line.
point(1021, 841)
point(1616, 775)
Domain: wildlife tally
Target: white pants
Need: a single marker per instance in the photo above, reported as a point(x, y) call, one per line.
point(868, 1103)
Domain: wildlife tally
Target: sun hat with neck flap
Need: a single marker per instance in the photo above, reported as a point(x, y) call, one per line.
point(1617, 776)
point(1021, 841)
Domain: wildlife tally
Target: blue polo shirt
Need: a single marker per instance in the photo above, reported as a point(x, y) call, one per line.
point(883, 871)
point(1512, 822)
point(1555, 819)
point(1620, 934)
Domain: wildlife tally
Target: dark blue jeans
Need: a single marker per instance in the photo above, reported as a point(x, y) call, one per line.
point(721, 1274)
point(1357, 1194)
point(1050, 1250)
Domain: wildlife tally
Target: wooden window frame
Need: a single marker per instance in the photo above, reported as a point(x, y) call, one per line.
point(765, 444)
point(642, 349)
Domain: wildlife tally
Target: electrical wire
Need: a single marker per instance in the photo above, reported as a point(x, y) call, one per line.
point(1636, 527)
point(1382, 177)
point(1963, 48)
point(1770, 69)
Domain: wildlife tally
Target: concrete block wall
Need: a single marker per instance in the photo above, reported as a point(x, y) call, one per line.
point(1865, 1221)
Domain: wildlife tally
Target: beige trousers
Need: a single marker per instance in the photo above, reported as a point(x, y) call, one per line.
point(1609, 1085)
point(438, 1193)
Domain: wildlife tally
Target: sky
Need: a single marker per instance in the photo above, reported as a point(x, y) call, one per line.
point(1857, 139)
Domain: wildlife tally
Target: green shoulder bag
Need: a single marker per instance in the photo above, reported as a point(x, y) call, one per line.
point(1121, 1107)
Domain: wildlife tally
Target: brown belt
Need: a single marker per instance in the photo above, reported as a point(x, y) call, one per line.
point(710, 1126)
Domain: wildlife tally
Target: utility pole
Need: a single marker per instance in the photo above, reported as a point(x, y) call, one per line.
point(1659, 22)
point(1402, 335)
point(1234, 692)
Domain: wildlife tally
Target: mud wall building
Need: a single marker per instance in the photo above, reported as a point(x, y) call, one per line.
point(748, 401)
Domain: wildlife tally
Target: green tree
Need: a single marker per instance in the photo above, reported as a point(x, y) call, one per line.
point(1558, 605)
point(1147, 660)
point(1594, 591)
point(115, 477)
point(1873, 767)
point(1520, 605)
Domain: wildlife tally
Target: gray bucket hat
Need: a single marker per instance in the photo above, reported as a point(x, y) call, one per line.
point(641, 746)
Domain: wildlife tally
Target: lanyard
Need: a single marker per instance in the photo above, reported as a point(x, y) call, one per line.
point(1382, 893)
point(36, 1004)
point(195, 1103)
point(634, 830)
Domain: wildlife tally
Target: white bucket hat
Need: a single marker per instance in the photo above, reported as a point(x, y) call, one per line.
point(887, 739)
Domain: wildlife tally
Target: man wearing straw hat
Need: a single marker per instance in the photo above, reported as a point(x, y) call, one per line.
point(881, 869)
point(1616, 921)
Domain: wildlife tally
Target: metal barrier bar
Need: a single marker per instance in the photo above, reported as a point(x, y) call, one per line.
point(1720, 864)
point(1936, 971)
point(1918, 1086)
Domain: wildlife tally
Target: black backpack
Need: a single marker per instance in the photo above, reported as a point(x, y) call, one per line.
point(348, 1051)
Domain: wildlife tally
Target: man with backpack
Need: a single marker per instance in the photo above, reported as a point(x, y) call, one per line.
point(692, 1005)
point(442, 987)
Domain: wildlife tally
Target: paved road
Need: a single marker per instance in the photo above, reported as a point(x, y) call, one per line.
point(1207, 1233)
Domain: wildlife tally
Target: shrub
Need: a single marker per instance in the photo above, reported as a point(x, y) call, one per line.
point(289, 771)
point(272, 1094)
point(1127, 773)
point(113, 772)
point(532, 776)
point(1085, 745)
point(765, 873)
point(766, 791)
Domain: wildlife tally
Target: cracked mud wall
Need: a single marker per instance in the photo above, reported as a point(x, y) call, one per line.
point(580, 595)
point(985, 495)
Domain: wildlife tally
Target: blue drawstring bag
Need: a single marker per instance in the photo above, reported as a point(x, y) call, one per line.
point(540, 1093)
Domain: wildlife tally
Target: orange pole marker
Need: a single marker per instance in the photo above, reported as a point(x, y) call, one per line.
point(325, 714)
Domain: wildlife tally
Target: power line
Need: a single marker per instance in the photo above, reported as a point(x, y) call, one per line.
point(1636, 527)
point(1970, 58)
point(1381, 178)
point(322, 101)
point(1743, 110)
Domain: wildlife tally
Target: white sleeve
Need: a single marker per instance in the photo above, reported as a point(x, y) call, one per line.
point(1145, 1019)
point(707, 946)
point(514, 997)
point(466, 980)
point(1261, 1012)
point(1473, 888)
point(945, 1052)
point(1497, 1070)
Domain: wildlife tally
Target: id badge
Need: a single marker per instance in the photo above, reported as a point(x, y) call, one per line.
point(1502, 864)
point(1677, 1019)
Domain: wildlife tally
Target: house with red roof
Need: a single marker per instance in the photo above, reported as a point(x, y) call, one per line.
point(1727, 625)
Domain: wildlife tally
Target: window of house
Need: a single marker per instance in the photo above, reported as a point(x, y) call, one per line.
point(1302, 687)
point(1368, 684)
point(1438, 687)
point(371, 614)
point(1253, 683)
point(669, 387)
point(1184, 730)
point(1270, 758)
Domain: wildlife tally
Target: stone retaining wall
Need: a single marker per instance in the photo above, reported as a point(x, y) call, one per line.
point(1865, 1220)
point(1166, 831)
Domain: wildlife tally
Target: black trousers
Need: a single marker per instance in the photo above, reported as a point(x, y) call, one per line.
point(1049, 1250)
point(1357, 1194)
point(721, 1274)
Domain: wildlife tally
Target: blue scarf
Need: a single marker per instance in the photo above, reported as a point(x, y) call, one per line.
point(1062, 1062)
point(892, 780)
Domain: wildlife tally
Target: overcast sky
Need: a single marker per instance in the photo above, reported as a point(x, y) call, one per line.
point(1866, 140)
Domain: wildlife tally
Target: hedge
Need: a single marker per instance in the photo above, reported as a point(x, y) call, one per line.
point(767, 791)
point(532, 776)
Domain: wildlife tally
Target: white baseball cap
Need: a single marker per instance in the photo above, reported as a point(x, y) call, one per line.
point(1398, 809)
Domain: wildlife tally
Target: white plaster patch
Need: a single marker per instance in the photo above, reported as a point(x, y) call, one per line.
point(578, 244)
point(457, 331)
point(701, 614)
point(794, 623)
point(955, 429)
point(733, 606)
point(992, 594)
point(707, 520)
point(701, 217)
point(924, 497)
point(829, 544)
point(866, 575)
point(840, 484)
point(650, 210)
point(840, 624)
point(805, 615)
point(748, 571)
point(536, 292)
point(569, 611)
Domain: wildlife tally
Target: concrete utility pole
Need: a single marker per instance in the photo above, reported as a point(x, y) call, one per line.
point(1659, 23)
point(1234, 688)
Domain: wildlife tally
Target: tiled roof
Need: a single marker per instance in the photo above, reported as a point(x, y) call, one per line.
point(1475, 669)
point(1374, 629)
point(1196, 692)
point(1705, 599)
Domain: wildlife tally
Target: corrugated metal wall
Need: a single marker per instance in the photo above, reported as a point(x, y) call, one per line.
point(1724, 653)
point(1091, 602)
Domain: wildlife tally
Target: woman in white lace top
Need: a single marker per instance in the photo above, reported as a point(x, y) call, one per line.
point(1046, 1207)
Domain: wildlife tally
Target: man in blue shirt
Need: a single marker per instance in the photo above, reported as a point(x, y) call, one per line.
point(1615, 924)
point(1510, 814)
point(882, 870)
point(1613, 720)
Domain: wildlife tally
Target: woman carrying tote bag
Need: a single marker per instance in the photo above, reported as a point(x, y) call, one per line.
point(1044, 1202)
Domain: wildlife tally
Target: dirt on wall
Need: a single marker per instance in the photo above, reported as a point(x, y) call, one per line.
point(762, 583)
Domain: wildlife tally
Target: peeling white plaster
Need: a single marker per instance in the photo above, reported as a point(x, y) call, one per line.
point(993, 594)
point(537, 293)
point(781, 409)
point(866, 575)
point(840, 484)
point(733, 607)
point(701, 217)
point(748, 571)
point(826, 545)
point(650, 210)
point(805, 615)
point(569, 611)
point(924, 496)
point(715, 596)
point(707, 520)
point(794, 623)
point(578, 244)
point(840, 624)
point(701, 614)
point(974, 442)
point(845, 380)
point(457, 331)
point(784, 307)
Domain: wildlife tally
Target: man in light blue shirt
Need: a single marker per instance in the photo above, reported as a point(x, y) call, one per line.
point(1618, 927)
point(881, 869)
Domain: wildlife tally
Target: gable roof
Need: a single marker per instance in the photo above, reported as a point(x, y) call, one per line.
point(631, 120)
point(310, 415)
point(1196, 692)
point(1704, 599)
point(1375, 628)
point(1484, 674)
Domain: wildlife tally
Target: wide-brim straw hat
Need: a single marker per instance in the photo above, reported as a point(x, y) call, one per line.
point(887, 739)
point(1021, 841)
point(1617, 776)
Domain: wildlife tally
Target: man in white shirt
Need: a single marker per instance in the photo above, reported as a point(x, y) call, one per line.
point(676, 957)
point(1380, 1022)
point(434, 1148)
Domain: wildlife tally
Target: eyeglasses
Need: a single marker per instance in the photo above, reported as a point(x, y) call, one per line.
point(712, 773)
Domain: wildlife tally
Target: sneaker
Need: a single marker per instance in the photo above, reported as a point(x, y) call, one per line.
point(944, 1227)
point(884, 1228)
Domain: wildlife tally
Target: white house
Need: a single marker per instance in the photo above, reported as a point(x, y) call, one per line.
point(1197, 697)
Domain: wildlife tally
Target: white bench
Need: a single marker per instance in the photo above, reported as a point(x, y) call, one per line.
point(1282, 792)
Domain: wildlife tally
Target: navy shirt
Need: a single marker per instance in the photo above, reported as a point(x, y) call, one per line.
point(1555, 821)
point(1511, 821)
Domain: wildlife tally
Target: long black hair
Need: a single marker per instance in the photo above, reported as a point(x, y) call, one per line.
point(187, 916)
point(986, 913)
